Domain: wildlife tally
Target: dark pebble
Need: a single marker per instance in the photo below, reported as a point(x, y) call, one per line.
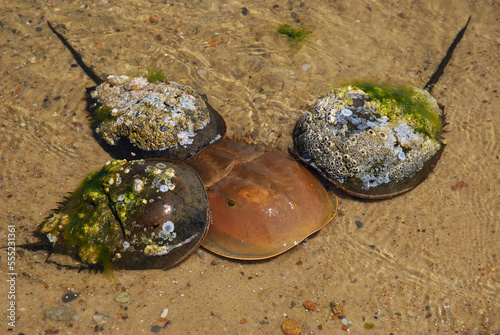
point(244, 11)
point(68, 297)
point(371, 246)
point(156, 329)
point(358, 223)
point(428, 315)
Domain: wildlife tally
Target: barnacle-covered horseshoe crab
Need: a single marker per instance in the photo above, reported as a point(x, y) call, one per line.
point(372, 141)
point(145, 117)
point(143, 214)
point(263, 202)
point(140, 117)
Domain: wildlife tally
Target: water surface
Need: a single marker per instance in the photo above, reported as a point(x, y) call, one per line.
point(423, 262)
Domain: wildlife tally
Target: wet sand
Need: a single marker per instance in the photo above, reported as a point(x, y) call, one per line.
point(425, 262)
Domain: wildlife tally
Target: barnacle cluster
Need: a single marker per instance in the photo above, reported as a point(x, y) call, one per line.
point(372, 135)
point(152, 115)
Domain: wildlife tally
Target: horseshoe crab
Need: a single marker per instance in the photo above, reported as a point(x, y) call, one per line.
point(145, 117)
point(263, 202)
point(143, 214)
point(372, 141)
point(141, 117)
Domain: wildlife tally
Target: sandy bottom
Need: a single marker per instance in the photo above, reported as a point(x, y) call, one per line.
point(423, 262)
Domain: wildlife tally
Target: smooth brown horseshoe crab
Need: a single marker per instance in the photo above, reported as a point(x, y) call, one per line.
point(263, 202)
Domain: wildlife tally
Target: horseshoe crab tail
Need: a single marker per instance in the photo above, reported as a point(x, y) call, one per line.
point(97, 80)
point(440, 70)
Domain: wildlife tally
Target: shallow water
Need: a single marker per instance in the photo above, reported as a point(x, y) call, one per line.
point(423, 262)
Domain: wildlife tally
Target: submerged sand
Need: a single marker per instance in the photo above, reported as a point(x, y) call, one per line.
point(423, 262)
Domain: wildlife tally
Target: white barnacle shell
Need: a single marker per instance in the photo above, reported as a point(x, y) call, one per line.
point(137, 185)
point(168, 227)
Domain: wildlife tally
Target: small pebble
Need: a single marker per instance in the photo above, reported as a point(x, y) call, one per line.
point(459, 185)
point(309, 305)
point(68, 297)
point(306, 67)
point(61, 313)
point(164, 313)
point(156, 328)
point(358, 223)
point(291, 327)
point(337, 310)
point(100, 319)
point(122, 297)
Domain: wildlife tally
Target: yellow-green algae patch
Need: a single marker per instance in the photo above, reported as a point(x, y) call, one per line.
point(295, 34)
point(153, 75)
point(86, 224)
point(408, 103)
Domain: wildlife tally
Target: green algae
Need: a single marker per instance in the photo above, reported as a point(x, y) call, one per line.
point(102, 114)
point(295, 34)
point(86, 224)
point(415, 108)
point(369, 325)
point(153, 75)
